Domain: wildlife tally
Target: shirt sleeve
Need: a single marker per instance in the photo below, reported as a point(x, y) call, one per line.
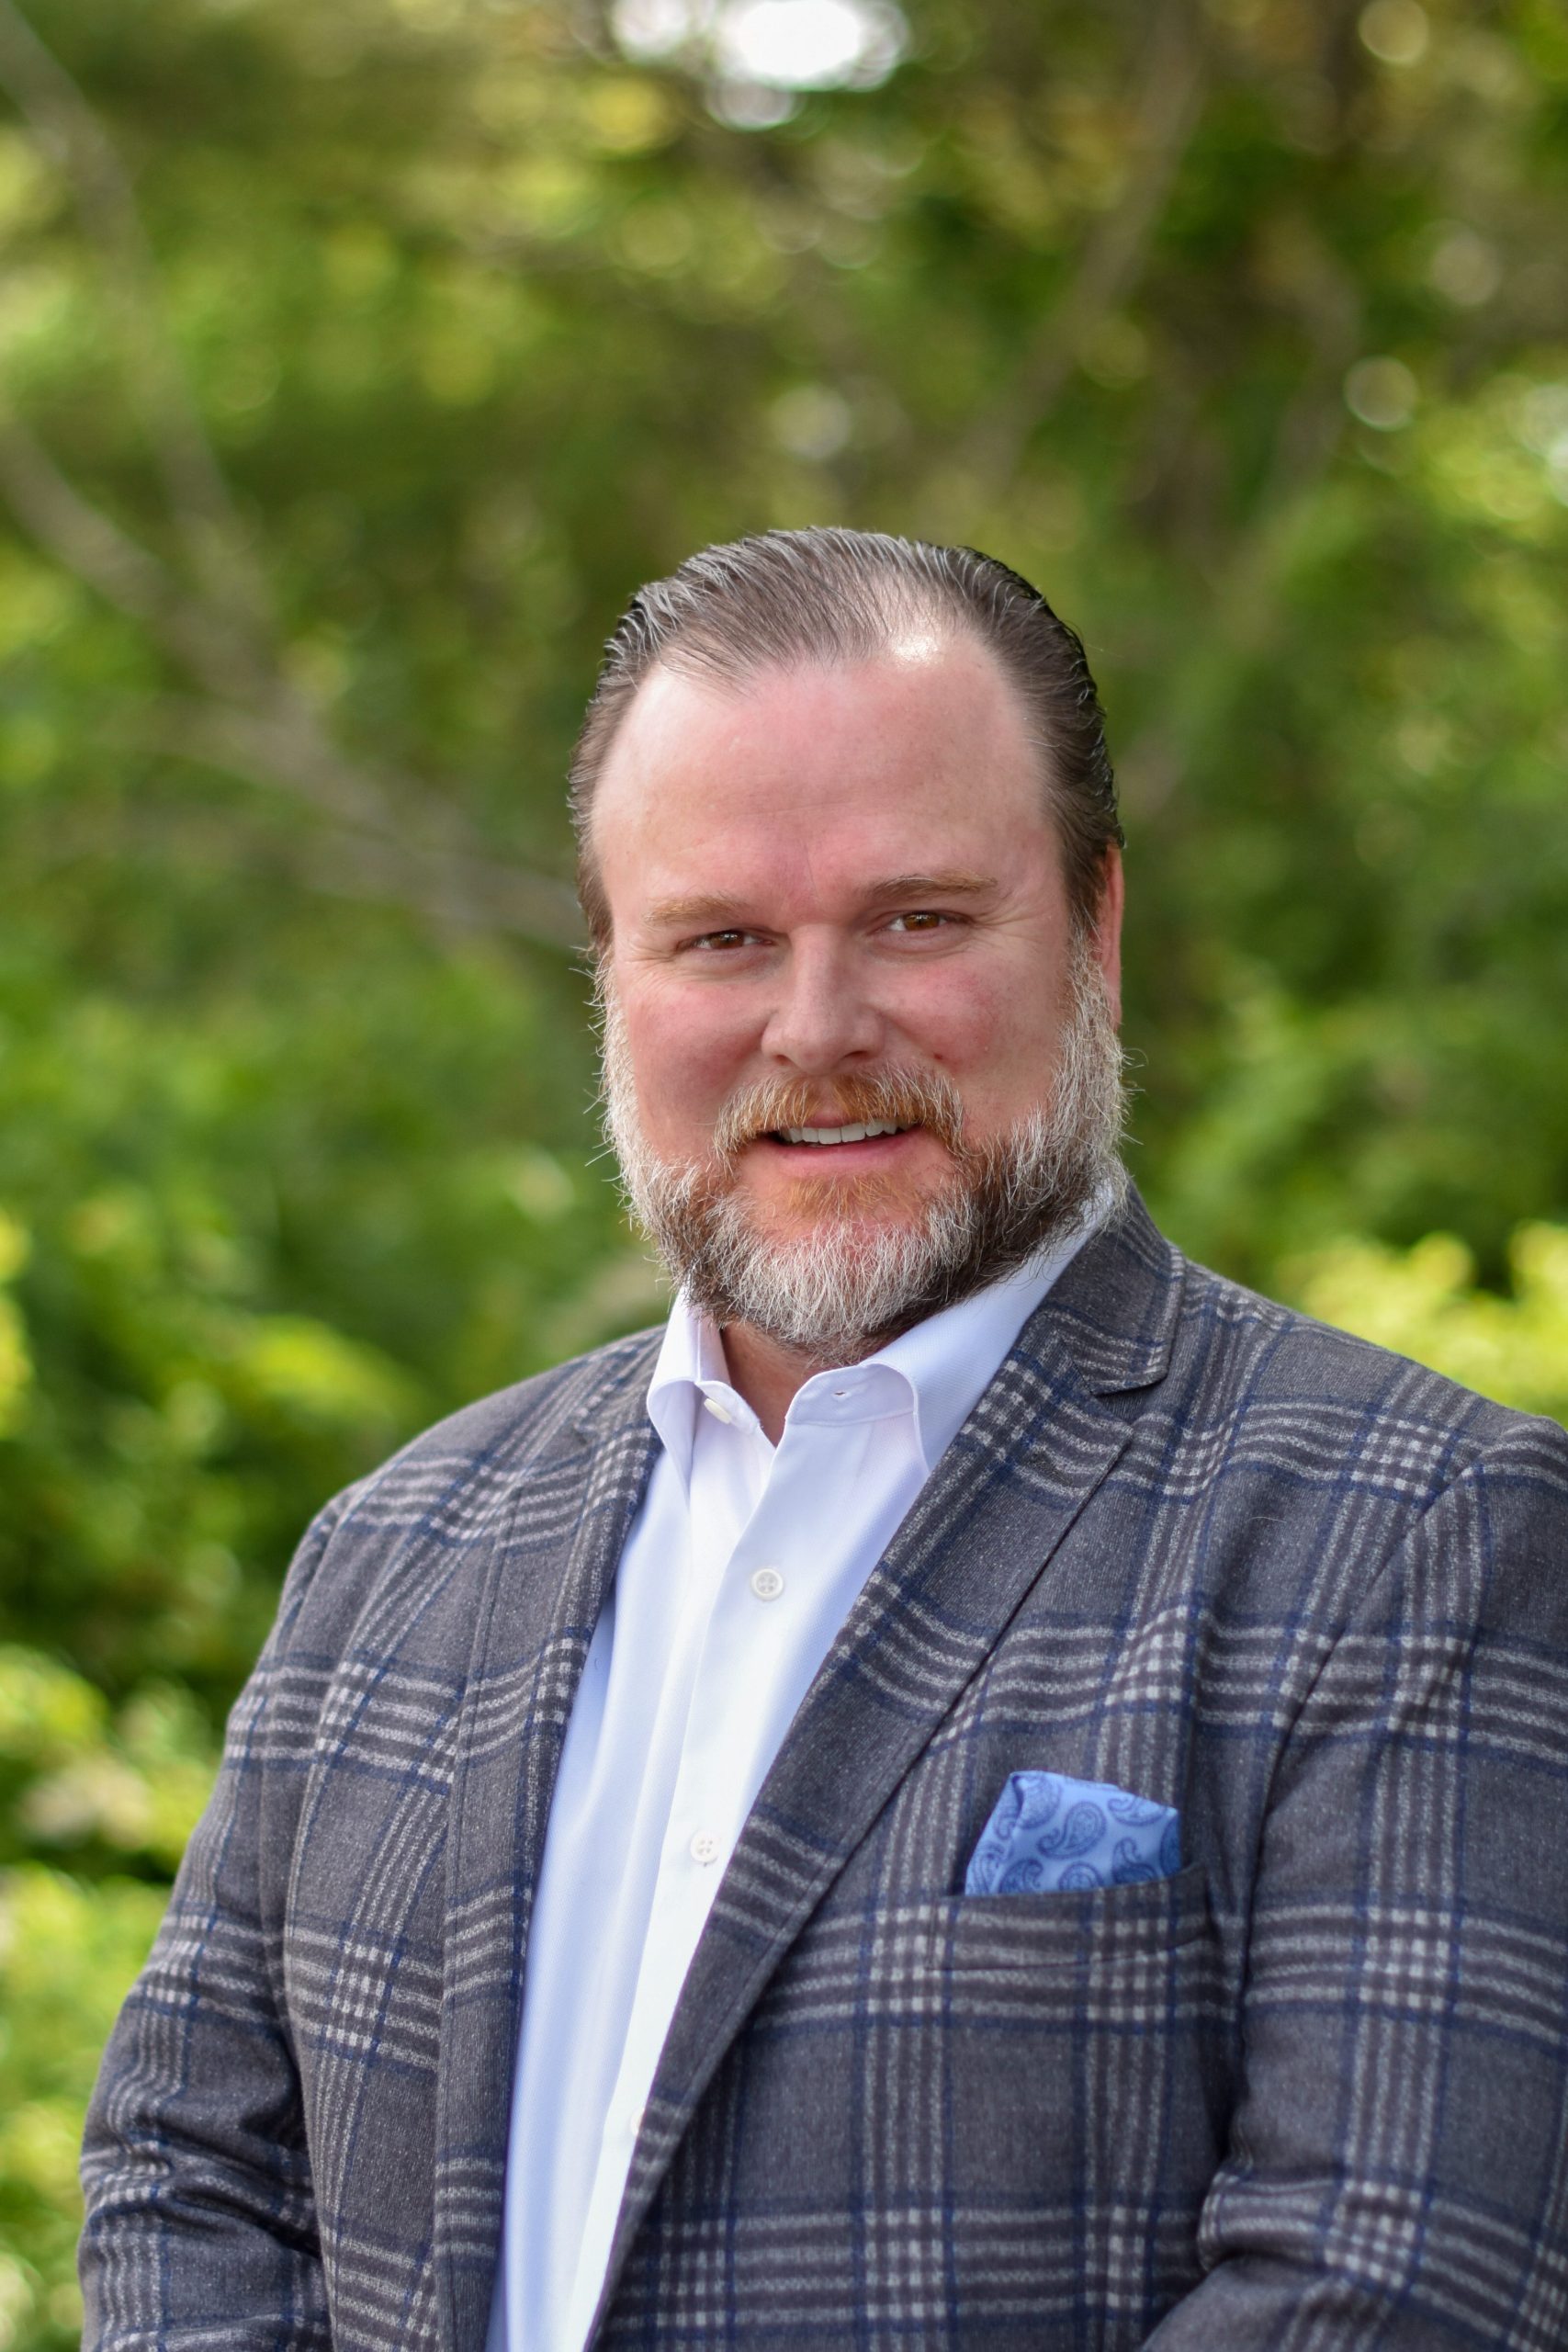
point(1397, 2175)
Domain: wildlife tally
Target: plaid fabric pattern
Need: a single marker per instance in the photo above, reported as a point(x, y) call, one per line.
point(1308, 2093)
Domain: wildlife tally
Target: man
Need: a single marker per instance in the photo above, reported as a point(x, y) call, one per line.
point(985, 1787)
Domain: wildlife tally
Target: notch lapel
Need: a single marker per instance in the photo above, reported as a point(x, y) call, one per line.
point(538, 1595)
point(983, 1531)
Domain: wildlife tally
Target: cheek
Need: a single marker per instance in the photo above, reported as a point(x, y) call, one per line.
point(978, 1029)
point(686, 1054)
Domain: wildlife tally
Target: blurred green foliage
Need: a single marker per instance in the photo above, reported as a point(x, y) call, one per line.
point(355, 364)
point(1423, 1303)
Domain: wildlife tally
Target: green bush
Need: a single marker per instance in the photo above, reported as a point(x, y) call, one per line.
point(69, 1948)
point(1424, 1303)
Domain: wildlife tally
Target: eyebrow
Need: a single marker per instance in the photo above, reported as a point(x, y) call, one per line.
point(953, 884)
point(911, 888)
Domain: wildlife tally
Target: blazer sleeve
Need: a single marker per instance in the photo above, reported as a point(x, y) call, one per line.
point(1398, 2170)
point(200, 2228)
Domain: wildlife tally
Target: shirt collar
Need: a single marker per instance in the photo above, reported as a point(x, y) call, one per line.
point(942, 1367)
point(950, 1359)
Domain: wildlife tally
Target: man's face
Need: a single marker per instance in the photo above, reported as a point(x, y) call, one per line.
point(821, 881)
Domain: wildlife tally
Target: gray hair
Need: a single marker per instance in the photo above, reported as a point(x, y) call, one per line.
point(783, 599)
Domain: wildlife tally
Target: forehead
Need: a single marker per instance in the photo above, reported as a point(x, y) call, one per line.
point(826, 773)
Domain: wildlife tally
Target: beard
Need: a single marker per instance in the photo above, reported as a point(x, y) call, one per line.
point(875, 1262)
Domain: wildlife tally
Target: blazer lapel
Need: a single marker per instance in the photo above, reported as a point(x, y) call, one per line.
point(1039, 1441)
point(538, 1589)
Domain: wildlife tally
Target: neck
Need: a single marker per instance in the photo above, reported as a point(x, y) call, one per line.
point(768, 1374)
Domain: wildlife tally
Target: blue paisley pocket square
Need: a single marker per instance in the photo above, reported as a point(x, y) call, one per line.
point(1052, 1835)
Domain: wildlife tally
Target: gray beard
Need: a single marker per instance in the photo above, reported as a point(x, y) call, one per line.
point(837, 1293)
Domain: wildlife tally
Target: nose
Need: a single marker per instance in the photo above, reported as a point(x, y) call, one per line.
point(822, 1016)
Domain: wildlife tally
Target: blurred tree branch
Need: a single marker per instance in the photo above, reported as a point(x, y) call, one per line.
point(70, 134)
point(338, 861)
point(415, 843)
point(1246, 592)
point(1169, 105)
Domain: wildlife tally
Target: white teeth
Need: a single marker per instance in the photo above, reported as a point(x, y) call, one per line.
point(840, 1134)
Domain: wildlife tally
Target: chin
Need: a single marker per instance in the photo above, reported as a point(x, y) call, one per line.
point(807, 1204)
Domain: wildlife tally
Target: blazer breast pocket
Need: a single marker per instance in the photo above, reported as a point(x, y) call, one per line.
point(1007, 2072)
point(1020, 1957)
point(1111, 1936)
point(1065, 2040)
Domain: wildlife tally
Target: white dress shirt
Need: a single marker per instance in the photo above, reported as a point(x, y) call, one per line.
point(739, 1570)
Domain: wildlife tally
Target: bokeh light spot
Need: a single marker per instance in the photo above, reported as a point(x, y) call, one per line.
point(1382, 393)
point(811, 421)
point(1464, 268)
point(1396, 32)
point(756, 46)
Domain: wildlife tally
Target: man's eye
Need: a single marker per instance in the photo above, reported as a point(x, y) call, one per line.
point(719, 941)
point(922, 919)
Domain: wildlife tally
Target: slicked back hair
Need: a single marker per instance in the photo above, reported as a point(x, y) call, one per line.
point(786, 600)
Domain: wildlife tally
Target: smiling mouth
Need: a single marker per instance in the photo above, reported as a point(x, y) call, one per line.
point(863, 1132)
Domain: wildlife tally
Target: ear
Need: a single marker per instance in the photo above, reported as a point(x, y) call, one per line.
point(1105, 940)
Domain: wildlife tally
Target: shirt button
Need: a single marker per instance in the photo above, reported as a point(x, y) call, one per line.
point(711, 1405)
point(766, 1583)
point(635, 2120)
point(704, 1846)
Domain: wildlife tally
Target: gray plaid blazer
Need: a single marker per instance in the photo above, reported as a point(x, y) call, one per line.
point(1309, 2092)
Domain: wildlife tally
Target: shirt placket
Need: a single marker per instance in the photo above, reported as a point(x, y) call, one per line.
point(722, 1491)
point(759, 1647)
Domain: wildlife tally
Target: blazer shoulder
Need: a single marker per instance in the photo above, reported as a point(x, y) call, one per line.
point(450, 1485)
point(515, 1422)
point(507, 1431)
point(1143, 1322)
point(1235, 1345)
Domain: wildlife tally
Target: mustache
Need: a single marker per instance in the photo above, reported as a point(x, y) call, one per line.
point(896, 1098)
